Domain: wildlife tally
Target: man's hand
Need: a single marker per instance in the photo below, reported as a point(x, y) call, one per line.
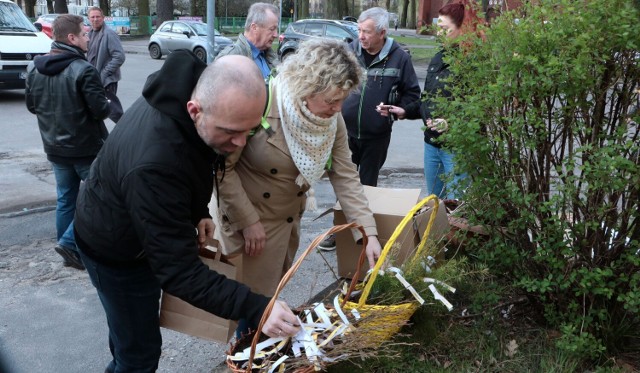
point(205, 230)
point(281, 322)
point(254, 239)
point(386, 110)
point(373, 250)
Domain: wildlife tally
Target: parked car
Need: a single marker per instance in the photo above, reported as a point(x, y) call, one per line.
point(45, 21)
point(181, 34)
point(20, 43)
point(325, 28)
point(306, 28)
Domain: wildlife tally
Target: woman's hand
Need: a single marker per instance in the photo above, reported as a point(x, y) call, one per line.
point(281, 321)
point(254, 239)
point(386, 110)
point(373, 250)
point(439, 125)
point(205, 230)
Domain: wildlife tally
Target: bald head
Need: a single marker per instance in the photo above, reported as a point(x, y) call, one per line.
point(232, 72)
point(227, 102)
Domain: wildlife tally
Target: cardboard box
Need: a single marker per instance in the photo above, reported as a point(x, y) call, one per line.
point(389, 207)
point(178, 315)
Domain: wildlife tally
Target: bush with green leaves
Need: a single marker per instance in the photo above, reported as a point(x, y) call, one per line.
point(545, 123)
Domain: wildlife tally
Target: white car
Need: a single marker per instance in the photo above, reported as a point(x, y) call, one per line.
point(181, 34)
point(20, 43)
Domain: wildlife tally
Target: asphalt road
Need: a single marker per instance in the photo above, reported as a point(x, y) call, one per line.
point(50, 318)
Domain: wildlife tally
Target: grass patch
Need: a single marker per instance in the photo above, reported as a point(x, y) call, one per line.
point(414, 40)
point(422, 55)
point(422, 49)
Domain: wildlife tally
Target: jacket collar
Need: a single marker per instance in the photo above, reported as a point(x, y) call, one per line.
point(384, 52)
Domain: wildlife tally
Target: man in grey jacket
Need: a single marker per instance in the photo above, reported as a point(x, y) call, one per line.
point(105, 51)
point(260, 30)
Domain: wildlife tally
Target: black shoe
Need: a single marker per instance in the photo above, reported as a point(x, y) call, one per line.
point(71, 258)
point(328, 244)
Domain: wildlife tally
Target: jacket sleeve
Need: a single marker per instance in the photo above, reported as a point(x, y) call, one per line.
point(408, 88)
point(29, 98)
point(234, 198)
point(93, 92)
point(412, 110)
point(346, 183)
point(159, 201)
point(116, 53)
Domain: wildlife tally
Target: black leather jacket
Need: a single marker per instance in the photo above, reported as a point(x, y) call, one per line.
point(66, 94)
point(148, 189)
point(434, 86)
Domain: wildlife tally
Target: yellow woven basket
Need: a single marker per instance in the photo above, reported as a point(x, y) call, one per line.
point(380, 322)
point(255, 336)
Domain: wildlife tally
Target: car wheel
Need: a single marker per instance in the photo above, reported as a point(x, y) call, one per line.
point(155, 52)
point(201, 53)
point(285, 55)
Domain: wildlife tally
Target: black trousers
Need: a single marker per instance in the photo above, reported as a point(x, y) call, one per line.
point(369, 156)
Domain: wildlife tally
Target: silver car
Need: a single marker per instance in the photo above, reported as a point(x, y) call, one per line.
point(180, 34)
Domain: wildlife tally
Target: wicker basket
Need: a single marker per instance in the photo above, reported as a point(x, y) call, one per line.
point(381, 322)
point(255, 336)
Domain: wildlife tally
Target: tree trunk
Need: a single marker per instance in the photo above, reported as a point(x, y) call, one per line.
point(29, 7)
point(336, 9)
point(165, 10)
point(144, 17)
point(303, 9)
point(60, 7)
point(411, 16)
point(343, 8)
point(405, 8)
point(105, 5)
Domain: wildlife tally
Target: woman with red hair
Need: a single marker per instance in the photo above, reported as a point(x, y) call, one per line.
point(456, 21)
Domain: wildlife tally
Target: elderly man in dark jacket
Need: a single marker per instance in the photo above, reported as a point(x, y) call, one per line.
point(65, 92)
point(389, 69)
point(148, 191)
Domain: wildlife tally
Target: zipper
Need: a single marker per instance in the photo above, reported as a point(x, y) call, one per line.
point(364, 86)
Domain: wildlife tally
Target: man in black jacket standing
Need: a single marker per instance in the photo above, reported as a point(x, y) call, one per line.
point(389, 69)
point(390, 76)
point(65, 92)
point(148, 194)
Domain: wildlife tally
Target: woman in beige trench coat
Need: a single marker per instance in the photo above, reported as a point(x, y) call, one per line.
point(263, 192)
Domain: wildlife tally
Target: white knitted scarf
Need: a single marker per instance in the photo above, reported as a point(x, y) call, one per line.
point(309, 137)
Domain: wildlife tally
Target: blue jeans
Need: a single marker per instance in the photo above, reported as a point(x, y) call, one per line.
point(68, 177)
point(131, 300)
point(439, 163)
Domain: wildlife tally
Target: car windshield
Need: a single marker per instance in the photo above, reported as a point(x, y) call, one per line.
point(352, 27)
point(12, 19)
point(201, 29)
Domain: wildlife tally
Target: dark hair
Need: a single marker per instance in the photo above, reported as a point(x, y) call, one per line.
point(455, 11)
point(464, 15)
point(66, 24)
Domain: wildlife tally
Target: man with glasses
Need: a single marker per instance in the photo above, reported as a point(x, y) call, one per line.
point(260, 30)
point(65, 92)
